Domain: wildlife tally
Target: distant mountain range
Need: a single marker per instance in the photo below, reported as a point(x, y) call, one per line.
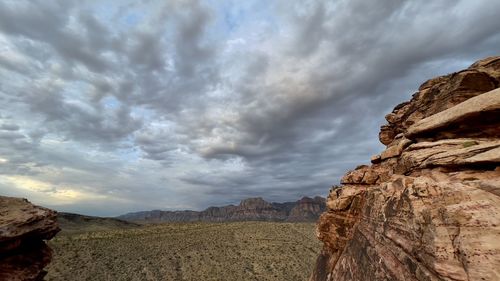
point(71, 223)
point(251, 209)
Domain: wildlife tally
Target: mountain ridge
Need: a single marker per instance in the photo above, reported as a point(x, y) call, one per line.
point(249, 209)
point(73, 223)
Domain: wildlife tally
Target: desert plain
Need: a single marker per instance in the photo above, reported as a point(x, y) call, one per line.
point(186, 251)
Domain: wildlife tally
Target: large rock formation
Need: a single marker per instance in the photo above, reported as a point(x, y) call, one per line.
point(23, 229)
point(428, 208)
point(251, 209)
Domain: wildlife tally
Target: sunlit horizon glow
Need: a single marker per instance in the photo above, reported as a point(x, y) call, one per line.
point(109, 107)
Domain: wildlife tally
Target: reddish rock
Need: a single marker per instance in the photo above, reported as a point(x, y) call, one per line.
point(307, 209)
point(429, 207)
point(23, 230)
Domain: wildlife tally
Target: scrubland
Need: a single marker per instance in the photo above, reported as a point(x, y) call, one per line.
point(187, 251)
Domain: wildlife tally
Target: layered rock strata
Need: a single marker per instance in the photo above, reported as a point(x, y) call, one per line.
point(428, 208)
point(23, 231)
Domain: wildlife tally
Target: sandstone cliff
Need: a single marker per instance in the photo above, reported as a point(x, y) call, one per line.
point(428, 208)
point(23, 229)
point(251, 209)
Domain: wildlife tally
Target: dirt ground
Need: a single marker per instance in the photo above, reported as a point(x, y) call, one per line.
point(188, 251)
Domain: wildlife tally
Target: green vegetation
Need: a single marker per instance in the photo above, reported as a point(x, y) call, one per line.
point(188, 251)
point(469, 143)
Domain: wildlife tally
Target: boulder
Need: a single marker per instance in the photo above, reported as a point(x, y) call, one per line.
point(23, 230)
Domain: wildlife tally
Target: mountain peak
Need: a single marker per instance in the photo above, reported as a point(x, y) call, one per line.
point(255, 203)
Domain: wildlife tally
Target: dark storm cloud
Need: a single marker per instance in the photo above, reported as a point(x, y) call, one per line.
point(190, 50)
point(9, 127)
point(362, 55)
point(147, 51)
point(144, 104)
point(17, 149)
point(49, 23)
point(135, 59)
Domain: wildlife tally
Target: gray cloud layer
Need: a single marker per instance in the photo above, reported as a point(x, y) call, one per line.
point(110, 108)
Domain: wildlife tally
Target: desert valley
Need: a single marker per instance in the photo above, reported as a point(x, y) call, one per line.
point(256, 240)
point(198, 140)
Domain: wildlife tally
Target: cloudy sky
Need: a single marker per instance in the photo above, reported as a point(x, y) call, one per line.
point(108, 107)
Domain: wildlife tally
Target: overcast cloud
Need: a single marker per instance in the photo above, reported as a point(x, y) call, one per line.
point(108, 107)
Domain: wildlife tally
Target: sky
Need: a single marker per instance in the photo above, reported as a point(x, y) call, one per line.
point(109, 107)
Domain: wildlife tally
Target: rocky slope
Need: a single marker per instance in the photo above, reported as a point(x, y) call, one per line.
point(251, 209)
point(23, 229)
point(428, 208)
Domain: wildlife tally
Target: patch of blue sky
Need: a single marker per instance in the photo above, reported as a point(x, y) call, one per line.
point(147, 115)
point(232, 16)
point(103, 11)
point(118, 15)
point(76, 90)
point(110, 102)
point(15, 82)
point(128, 152)
point(132, 19)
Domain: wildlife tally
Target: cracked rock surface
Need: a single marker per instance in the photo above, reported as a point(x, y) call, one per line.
point(428, 208)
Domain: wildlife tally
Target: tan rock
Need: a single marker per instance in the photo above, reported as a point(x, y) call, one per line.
point(386, 134)
point(449, 153)
point(365, 175)
point(490, 156)
point(395, 149)
point(390, 152)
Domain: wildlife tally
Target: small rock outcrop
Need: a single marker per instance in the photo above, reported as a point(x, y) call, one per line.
point(251, 209)
point(23, 231)
point(428, 208)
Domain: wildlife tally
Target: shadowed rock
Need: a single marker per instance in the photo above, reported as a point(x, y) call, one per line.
point(23, 229)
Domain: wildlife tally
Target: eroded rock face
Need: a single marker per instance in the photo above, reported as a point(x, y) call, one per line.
point(428, 208)
point(307, 209)
point(23, 229)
